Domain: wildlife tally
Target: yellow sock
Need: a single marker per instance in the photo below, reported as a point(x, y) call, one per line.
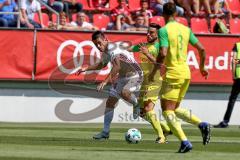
point(174, 125)
point(187, 116)
point(165, 127)
point(151, 117)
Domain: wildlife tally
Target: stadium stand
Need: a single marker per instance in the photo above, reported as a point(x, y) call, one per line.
point(86, 5)
point(234, 6)
point(113, 4)
point(199, 25)
point(134, 5)
point(212, 24)
point(235, 26)
point(157, 19)
point(101, 21)
point(45, 18)
point(182, 20)
point(74, 17)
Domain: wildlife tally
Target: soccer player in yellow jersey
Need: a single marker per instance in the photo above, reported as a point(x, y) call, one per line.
point(172, 62)
point(150, 91)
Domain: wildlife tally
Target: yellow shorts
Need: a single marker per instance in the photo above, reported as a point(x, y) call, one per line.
point(149, 92)
point(174, 89)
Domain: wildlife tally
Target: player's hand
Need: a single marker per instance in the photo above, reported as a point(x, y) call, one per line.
point(83, 69)
point(143, 48)
point(101, 86)
point(163, 69)
point(236, 61)
point(204, 72)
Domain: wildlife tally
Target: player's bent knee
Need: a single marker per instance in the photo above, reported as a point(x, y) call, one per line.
point(111, 102)
point(125, 94)
point(148, 106)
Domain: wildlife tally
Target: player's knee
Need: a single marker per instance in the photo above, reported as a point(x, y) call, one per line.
point(125, 94)
point(148, 106)
point(110, 104)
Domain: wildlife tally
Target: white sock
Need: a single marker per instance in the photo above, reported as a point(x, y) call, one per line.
point(108, 116)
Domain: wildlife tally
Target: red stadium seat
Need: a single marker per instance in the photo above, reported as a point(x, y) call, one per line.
point(199, 25)
point(234, 6)
point(158, 19)
point(86, 5)
point(134, 5)
point(101, 21)
point(113, 4)
point(235, 26)
point(44, 16)
point(74, 17)
point(182, 20)
point(213, 22)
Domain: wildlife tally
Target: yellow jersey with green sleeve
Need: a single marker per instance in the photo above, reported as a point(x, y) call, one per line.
point(176, 37)
point(145, 64)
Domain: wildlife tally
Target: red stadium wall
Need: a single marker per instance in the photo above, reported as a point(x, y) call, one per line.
point(16, 54)
point(57, 55)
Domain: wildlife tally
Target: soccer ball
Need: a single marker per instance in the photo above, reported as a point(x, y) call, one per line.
point(133, 135)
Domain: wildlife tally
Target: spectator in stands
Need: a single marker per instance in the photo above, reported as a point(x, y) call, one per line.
point(71, 5)
point(56, 5)
point(222, 8)
point(28, 8)
point(144, 11)
point(121, 23)
point(157, 6)
point(63, 25)
point(198, 5)
point(82, 24)
point(140, 24)
point(187, 5)
point(100, 3)
point(123, 10)
point(8, 20)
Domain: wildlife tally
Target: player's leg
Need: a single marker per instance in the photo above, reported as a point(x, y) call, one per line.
point(129, 90)
point(108, 116)
point(188, 116)
point(147, 99)
point(151, 117)
point(232, 99)
point(169, 99)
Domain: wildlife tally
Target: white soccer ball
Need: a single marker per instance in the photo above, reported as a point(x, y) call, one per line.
point(133, 135)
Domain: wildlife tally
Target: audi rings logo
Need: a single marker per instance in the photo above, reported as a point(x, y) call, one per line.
point(79, 52)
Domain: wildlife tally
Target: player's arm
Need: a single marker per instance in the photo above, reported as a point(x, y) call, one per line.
point(163, 50)
point(113, 73)
point(141, 48)
point(235, 61)
point(96, 66)
point(202, 54)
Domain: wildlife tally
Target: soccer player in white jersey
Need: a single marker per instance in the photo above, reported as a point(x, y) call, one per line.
point(126, 86)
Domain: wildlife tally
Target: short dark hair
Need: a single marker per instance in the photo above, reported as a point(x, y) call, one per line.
point(169, 9)
point(155, 25)
point(97, 34)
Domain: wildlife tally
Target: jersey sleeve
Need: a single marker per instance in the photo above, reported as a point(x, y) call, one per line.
point(23, 5)
point(163, 37)
point(193, 39)
point(135, 48)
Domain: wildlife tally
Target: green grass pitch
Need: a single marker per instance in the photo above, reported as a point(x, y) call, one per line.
point(58, 141)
